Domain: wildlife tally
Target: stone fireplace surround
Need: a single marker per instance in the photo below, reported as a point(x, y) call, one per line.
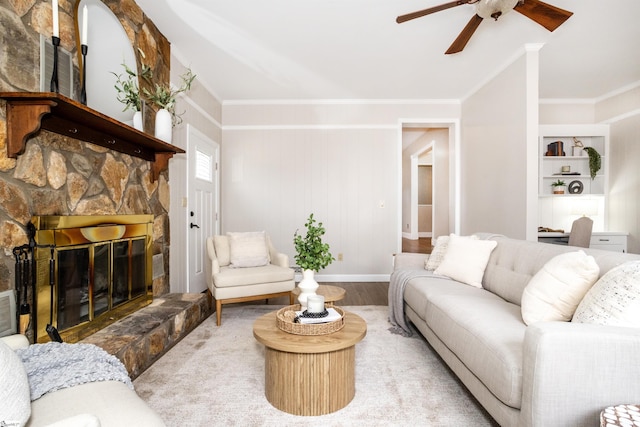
point(59, 175)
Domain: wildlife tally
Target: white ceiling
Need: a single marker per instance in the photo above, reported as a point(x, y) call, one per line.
point(353, 49)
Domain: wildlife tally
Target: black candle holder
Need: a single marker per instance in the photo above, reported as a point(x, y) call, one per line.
point(83, 92)
point(54, 75)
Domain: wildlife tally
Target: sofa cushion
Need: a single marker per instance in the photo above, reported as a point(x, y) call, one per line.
point(556, 290)
point(485, 332)
point(15, 408)
point(466, 259)
point(248, 249)
point(614, 299)
point(229, 277)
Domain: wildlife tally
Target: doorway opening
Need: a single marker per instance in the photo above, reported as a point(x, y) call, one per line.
point(429, 197)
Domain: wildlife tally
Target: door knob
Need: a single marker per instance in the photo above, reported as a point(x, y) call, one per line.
point(192, 225)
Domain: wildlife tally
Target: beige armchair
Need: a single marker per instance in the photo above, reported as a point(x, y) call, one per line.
point(246, 267)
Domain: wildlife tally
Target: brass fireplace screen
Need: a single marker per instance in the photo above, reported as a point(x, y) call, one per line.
point(91, 271)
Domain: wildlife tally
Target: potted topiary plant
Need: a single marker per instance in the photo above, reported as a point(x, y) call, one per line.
point(312, 255)
point(559, 187)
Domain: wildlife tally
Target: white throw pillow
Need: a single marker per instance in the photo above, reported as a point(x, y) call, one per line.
point(15, 397)
point(437, 254)
point(221, 246)
point(614, 299)
point(556, 290)
point(434, 260)
point(466, 259)
point(248, 249)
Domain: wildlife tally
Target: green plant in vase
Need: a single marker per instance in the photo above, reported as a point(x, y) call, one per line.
point(558, 186)
point(127, 89)
point(312, 255)
point(165, 97)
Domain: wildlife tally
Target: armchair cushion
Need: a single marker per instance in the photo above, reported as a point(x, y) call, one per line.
point(230, 277)
point(248, 249)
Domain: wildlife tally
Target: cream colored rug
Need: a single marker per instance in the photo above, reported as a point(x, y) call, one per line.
point(215, 377)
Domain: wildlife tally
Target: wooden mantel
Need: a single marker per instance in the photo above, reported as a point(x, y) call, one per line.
point(28, 112)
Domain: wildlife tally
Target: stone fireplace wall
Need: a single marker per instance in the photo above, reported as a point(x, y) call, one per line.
point(61, 176)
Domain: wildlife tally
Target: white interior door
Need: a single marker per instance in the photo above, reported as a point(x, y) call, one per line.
point(202, 203)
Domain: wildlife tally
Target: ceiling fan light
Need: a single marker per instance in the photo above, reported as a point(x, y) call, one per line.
point(494, 8)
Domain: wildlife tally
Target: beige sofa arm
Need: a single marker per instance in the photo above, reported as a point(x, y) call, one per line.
point(16, 341)
point(409, 260)
point(571, 371)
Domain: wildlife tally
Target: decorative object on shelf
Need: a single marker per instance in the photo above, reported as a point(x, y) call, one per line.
point(165, 97)
point(311, 256)
point(595, 161)
point(55, 41)
point(555, 149)
point(84, 48)
point(129, 94)
point(164, 127)
point(565, 169)
point(558, 186)
point(577, 150)
point(575, 187)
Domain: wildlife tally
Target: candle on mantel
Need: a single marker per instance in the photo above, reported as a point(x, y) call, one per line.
point(85, 25)
point(54, 8)
point(315, 303)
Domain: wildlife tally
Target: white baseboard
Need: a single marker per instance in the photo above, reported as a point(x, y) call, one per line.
point(425, 234)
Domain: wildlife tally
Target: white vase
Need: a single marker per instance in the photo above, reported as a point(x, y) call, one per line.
point(307, 286)
point(137, 121)
point(164, 127)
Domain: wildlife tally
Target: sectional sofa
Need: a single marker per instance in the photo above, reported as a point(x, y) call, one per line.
point(545, 373)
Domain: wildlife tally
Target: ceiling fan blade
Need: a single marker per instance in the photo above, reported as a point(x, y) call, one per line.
point(550, 17)
point(464, 36)
point(420, 13)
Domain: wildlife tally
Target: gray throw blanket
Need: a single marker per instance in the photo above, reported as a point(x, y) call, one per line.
point(54, 366)
point(397, 283)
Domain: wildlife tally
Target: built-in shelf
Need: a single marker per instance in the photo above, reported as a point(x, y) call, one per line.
point(28, 112)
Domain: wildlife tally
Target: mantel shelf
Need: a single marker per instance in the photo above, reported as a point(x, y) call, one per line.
point(28, 112)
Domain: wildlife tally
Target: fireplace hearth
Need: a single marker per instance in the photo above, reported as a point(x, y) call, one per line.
point(91, 272)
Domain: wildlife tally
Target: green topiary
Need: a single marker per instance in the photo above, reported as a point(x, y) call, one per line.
point(312, 254)
point(595, 161)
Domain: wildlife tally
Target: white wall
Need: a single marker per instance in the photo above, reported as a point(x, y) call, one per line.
point(622, 112)
point(496, 151)
point(202, 111)
point(283, 160)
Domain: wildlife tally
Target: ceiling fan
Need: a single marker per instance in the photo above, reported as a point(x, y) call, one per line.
point(550, 17)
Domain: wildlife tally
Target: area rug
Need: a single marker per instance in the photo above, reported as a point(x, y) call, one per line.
point(215, 377)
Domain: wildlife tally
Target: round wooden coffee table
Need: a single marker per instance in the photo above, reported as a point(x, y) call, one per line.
point(309, 374)
point(330, 293)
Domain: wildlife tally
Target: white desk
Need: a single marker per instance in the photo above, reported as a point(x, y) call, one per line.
point(606, 240)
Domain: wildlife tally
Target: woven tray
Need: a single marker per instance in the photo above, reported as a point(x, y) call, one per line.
point(285, 316)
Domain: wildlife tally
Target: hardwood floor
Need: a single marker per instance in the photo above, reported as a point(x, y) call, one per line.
point(358, 293)
point(420, 246)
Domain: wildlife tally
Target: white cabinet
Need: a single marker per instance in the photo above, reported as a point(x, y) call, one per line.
point(609, 241)
point(558, 211)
